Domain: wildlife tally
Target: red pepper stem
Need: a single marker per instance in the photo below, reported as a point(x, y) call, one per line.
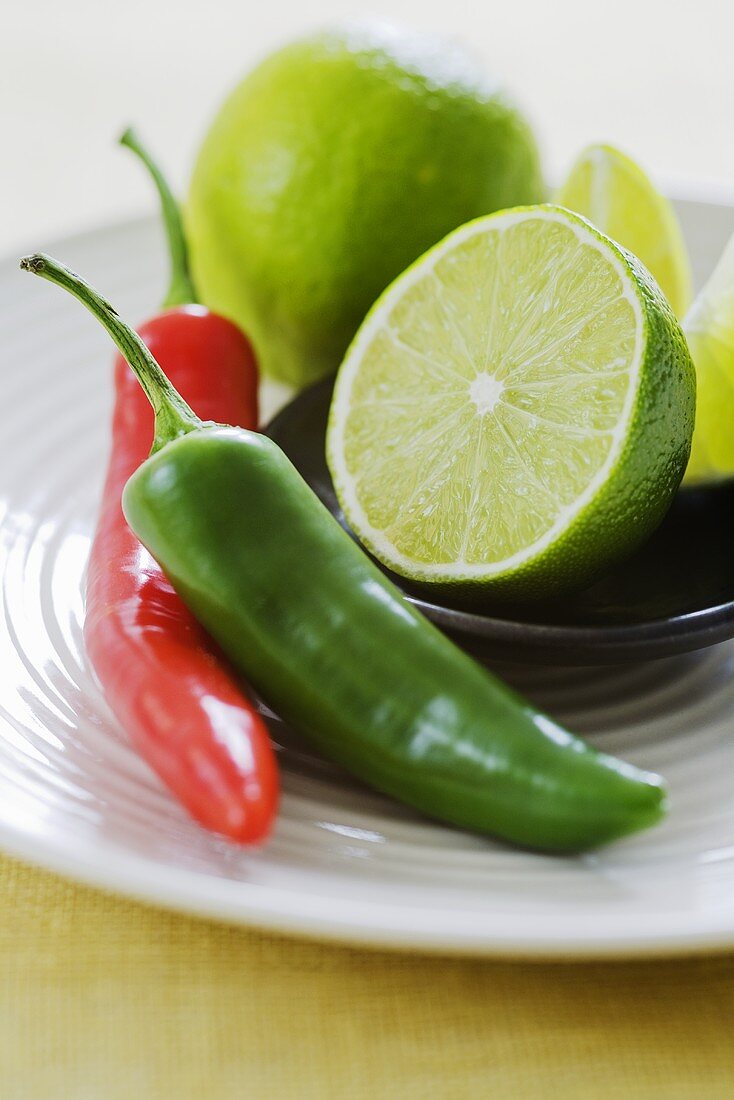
point(173, 417)
point(181, 287)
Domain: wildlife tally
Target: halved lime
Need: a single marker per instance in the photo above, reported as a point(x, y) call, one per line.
point(516, 410)
point(709, 327)
point(618, 197)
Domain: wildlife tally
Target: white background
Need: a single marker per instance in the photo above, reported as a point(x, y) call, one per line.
point(655, 77)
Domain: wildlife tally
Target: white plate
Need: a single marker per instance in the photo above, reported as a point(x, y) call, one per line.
point(344, 863)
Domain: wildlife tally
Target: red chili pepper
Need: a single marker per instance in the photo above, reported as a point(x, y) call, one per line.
point(161, 673)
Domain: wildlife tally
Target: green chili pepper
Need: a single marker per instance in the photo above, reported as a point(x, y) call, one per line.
point(334, 647)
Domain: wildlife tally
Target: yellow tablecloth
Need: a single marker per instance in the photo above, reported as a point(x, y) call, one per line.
point(104, 999)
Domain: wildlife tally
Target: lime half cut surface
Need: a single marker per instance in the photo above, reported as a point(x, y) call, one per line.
point(516, 411)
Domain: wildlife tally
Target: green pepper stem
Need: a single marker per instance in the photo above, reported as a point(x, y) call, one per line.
point(173, 417)
point(181, 287)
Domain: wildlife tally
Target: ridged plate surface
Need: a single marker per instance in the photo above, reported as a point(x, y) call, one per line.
point(344, 863)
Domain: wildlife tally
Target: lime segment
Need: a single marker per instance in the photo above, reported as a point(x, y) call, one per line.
point(709, 327)
point(522, 372)
point(616, 195)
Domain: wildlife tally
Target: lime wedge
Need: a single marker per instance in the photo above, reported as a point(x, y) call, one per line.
point(709, 327)
point(614, 193)
point(516, 410)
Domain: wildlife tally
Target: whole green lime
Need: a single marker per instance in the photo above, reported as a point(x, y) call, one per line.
point(334, 165)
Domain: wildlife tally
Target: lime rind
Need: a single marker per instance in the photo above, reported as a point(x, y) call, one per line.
point(582, 539)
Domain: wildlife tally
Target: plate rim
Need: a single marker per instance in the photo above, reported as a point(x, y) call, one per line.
point(323, 918)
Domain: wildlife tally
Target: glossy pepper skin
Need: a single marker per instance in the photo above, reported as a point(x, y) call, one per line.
point(337, 651)
point(333, 646)
point(161, 674)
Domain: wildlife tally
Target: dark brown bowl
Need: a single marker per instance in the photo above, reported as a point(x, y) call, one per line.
point(676, 594)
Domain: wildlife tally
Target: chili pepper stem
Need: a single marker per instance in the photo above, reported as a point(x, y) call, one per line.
point(181, 289)
point(173, 417)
